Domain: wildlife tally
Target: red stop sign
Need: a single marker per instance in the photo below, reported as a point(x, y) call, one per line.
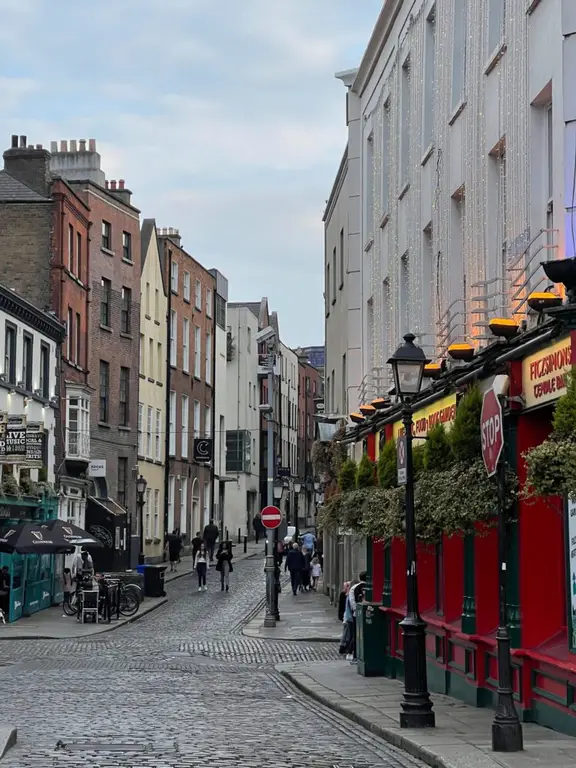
point(492, 431)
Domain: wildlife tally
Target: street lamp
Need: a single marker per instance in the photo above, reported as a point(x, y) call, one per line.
point(297, 487)
point(141, 484)
point(408, 368)
point(278, 490)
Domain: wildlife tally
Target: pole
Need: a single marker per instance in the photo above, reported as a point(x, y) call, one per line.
point(506, 727)
point(167, 408)
point(416, 704)
point(270, 617)
point(141, 557)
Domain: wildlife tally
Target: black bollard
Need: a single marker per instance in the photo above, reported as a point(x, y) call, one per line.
point(245, 544)
point(239, 535)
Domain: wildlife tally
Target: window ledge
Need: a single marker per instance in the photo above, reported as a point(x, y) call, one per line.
point(128, 261)
point(142, 375)
point(197, 308)
point(457, 112)
point(157, 322)
point(369, 243)
point(532, 6)
point(126, 335)
point(107, 251)
point(427, 155)
point(333, 301)
point(384, 220)
point(404, 190)
point(147, 316)
point(186, 373)
point(173, 366)
point(104, 424)
point(150, 379)
point(106, 328)
point(124, 428)
point(495, 58)
point(197, 378)
point(159, 384)
point(187, 300)
point(341, 285)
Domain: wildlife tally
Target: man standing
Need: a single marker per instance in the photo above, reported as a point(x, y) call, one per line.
point(309, 541)
point(211, 534)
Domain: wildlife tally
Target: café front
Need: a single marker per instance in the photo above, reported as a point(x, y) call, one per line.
point(458, 576)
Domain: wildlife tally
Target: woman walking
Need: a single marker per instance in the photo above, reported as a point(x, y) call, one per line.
point(224, 564)
point(201, 566)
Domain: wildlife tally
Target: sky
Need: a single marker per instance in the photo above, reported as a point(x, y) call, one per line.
point(223, 116)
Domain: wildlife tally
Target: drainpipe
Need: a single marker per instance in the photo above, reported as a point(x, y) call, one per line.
point(213, 425)
point(167, 406)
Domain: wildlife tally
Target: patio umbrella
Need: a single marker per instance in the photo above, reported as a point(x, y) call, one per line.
point(33, 539)
point(76, 536)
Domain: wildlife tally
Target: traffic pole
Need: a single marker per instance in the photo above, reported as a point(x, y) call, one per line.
point(270, 617)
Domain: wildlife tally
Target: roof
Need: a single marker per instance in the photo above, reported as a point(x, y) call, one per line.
point(44, 322)
point(148, 230)
point(13, 191)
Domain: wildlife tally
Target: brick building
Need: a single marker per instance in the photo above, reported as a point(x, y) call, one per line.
point(190, 385)
point(309, 394)
point(44, 247)
point(114, 280)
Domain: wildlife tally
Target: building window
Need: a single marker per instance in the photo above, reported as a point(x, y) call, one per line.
point(140, 427)
point(122, 479)
point(208, 302)
point(183, 505)
point(208, 375)
point(78, 426)
point(207, 421)
point(27, 350)
point(369, 188)
point(206, 501)
point(334, 275)
point(496, 19)
point(124, 409)
point(147, 300)
point(171, 424)
point(106, 235)
point(149, 417)
point(174, 276)
point(126, 311)
point(249, 340)
point(157, 305)
point(104, 391)
point(10, 353)
point(79, 255)
point(126, 246)
point(70, 335)
point(171, 487)
point(78, 339)
point(342, 258)
point(429, 80)
point(71, 248)
point(148, 509)
point(185, 345)
point(220, 305)
point(185, 427)
point(327, 289)
point(404, 294)
point(151, 369)
point(142, 355)
point(105, 302)
point(197, 352)
point(44, 370)
point(187, 286)
point(406, 118)
point(196, 419)
point(198, 298)
point(158, 435)
point(156, 514)
point(160, 362)
point(173, 337)
point(459, 54)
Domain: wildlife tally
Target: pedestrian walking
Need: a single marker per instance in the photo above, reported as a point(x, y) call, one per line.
point(309, 541)
point(295, 564)
point(258, 526)
point(355, 596)
point(224, 564)
point(174, 547)
point(316, 572)
point(305, 575)
point(67, 586)
point(211, 534)
point(201, 566)
point(196, 544)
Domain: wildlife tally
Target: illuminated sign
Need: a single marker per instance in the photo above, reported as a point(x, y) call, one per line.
point(544, 373)
point(440, 412)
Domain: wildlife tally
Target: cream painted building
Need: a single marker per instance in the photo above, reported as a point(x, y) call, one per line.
point(152, 391)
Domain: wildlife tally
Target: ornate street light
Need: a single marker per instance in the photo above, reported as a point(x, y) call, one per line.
point(408, 364)
point(297, 487)
point(141, 484)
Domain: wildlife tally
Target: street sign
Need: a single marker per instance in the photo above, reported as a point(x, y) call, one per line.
point(271, 517)
point(492, 431)
point(401, 459)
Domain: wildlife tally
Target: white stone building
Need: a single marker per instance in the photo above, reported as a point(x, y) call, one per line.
point(220, 396)
point(242, 420)
point(460, 165)
point(287, 416)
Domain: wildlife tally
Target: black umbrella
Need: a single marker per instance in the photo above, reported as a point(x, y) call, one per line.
point(73, 534)
point(33, 539)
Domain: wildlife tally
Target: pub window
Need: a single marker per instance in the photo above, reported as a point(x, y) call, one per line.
point(105, 302)
point(27, 362)
point(104, 391)
point(106, 235)
point(124, 414)
point(45, 370)
point(10, 353)
point(126, 246)
point(126, 310)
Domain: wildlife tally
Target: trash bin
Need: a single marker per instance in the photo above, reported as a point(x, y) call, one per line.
point(154, 581)
point(372, 642)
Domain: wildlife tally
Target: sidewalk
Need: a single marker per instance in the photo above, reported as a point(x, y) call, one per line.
point(461, 739)
point(308, 616)
point(50, 624)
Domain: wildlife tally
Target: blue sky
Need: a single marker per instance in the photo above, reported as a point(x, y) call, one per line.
point(223, 116)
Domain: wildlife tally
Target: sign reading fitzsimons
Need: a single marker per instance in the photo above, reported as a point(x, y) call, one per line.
point(442, 411)
point(544, 373)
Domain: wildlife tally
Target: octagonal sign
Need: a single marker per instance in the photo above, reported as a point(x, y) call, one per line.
point(492, 431)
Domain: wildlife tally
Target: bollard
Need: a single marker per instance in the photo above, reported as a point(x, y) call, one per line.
point(239, 535)
point(227, 535)
point(245, 544)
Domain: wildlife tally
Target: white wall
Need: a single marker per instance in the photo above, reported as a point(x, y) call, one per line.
point(220, 403)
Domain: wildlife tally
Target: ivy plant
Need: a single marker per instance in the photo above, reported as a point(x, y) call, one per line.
point(347, 476)
point(438, 454)
point(465, 433)
point(365, 473)
point(387, 469)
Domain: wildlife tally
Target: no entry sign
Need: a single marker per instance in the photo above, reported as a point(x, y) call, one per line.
point(492, 431)
point(271, 517)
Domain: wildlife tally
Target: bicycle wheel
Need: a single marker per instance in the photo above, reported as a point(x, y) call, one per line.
point(71, 608)
point(135, 591)
point(129, 604)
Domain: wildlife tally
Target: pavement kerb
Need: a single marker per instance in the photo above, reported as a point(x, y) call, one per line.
point(389, 735)
point(252, 633)
point(8, 738)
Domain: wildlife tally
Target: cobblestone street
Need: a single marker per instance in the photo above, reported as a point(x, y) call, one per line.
point(181, 687)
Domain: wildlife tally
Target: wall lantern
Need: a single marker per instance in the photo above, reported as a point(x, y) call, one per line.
point(540, 301)
point(462, 351)
point(562, 271)
point(367, 410)
point(432, 370)
point(357, 418)
point(503, 327)
point(381, 402)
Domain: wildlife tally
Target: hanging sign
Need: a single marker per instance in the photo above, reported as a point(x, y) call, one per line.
point(34, 444)
point(3, 420)
point(544, 373)
point(15, 439)
point(442, 411)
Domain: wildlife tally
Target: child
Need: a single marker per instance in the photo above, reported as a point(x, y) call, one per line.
point(67, 585)
point(200, 566)
point(316, 570)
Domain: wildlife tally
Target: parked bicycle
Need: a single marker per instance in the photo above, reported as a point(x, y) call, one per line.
point(129, 599)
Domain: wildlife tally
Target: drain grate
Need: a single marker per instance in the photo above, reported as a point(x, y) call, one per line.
point(100, 746)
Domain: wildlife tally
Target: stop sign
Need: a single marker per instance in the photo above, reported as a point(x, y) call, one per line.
point(492, 431)
point(271, 517)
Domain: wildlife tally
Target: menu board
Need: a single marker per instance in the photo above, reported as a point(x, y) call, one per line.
point(34, 444)
point(16, 439)
point(21, 442)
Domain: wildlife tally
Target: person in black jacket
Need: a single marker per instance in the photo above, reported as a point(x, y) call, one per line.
point(295, 563)
point(224, 564)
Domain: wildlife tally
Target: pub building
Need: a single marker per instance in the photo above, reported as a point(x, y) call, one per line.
point(30, 342)
point(458, 579)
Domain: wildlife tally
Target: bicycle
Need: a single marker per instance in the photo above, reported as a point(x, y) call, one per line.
point(130, 598)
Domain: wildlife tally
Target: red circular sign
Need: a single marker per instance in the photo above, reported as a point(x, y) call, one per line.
point(271, 517)
point(492, 431)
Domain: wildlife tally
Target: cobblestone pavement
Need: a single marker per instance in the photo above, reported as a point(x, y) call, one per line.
point(180, 688)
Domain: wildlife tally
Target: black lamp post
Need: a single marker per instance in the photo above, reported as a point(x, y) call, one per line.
point(408, 368)
point(141, 484)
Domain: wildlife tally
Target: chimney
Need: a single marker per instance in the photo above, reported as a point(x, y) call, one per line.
point(121, 183)
point(77, 163)
point(91, 145)
point(82, 144)
point(29, 165)
point(120, 192)
point(173, 234)
point(73, 146)
point(113, 185)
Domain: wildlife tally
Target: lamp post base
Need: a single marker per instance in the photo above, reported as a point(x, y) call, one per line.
point(416, 705)
point(507, 735)
point(270, 617)
point(506, 726)
point(418, 719)
point(141, 559)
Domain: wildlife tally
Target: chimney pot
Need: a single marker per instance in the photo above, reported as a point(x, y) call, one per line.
point(38, 146)
point(14, 142)
point(121, 183)
point(22, 142)
point(82, 145)
point(64, 146)
point(107, 183)
point(113, 184)
point(53, 146)
point(30, 146)
point(73, 147)
point(92, 145)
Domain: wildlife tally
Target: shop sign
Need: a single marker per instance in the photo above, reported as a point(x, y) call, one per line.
point(97, 468)
point(544, 373)
point(572, 569)
point(15, 442)
point(442, 411)
point(34, 444)
point(21, 442)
